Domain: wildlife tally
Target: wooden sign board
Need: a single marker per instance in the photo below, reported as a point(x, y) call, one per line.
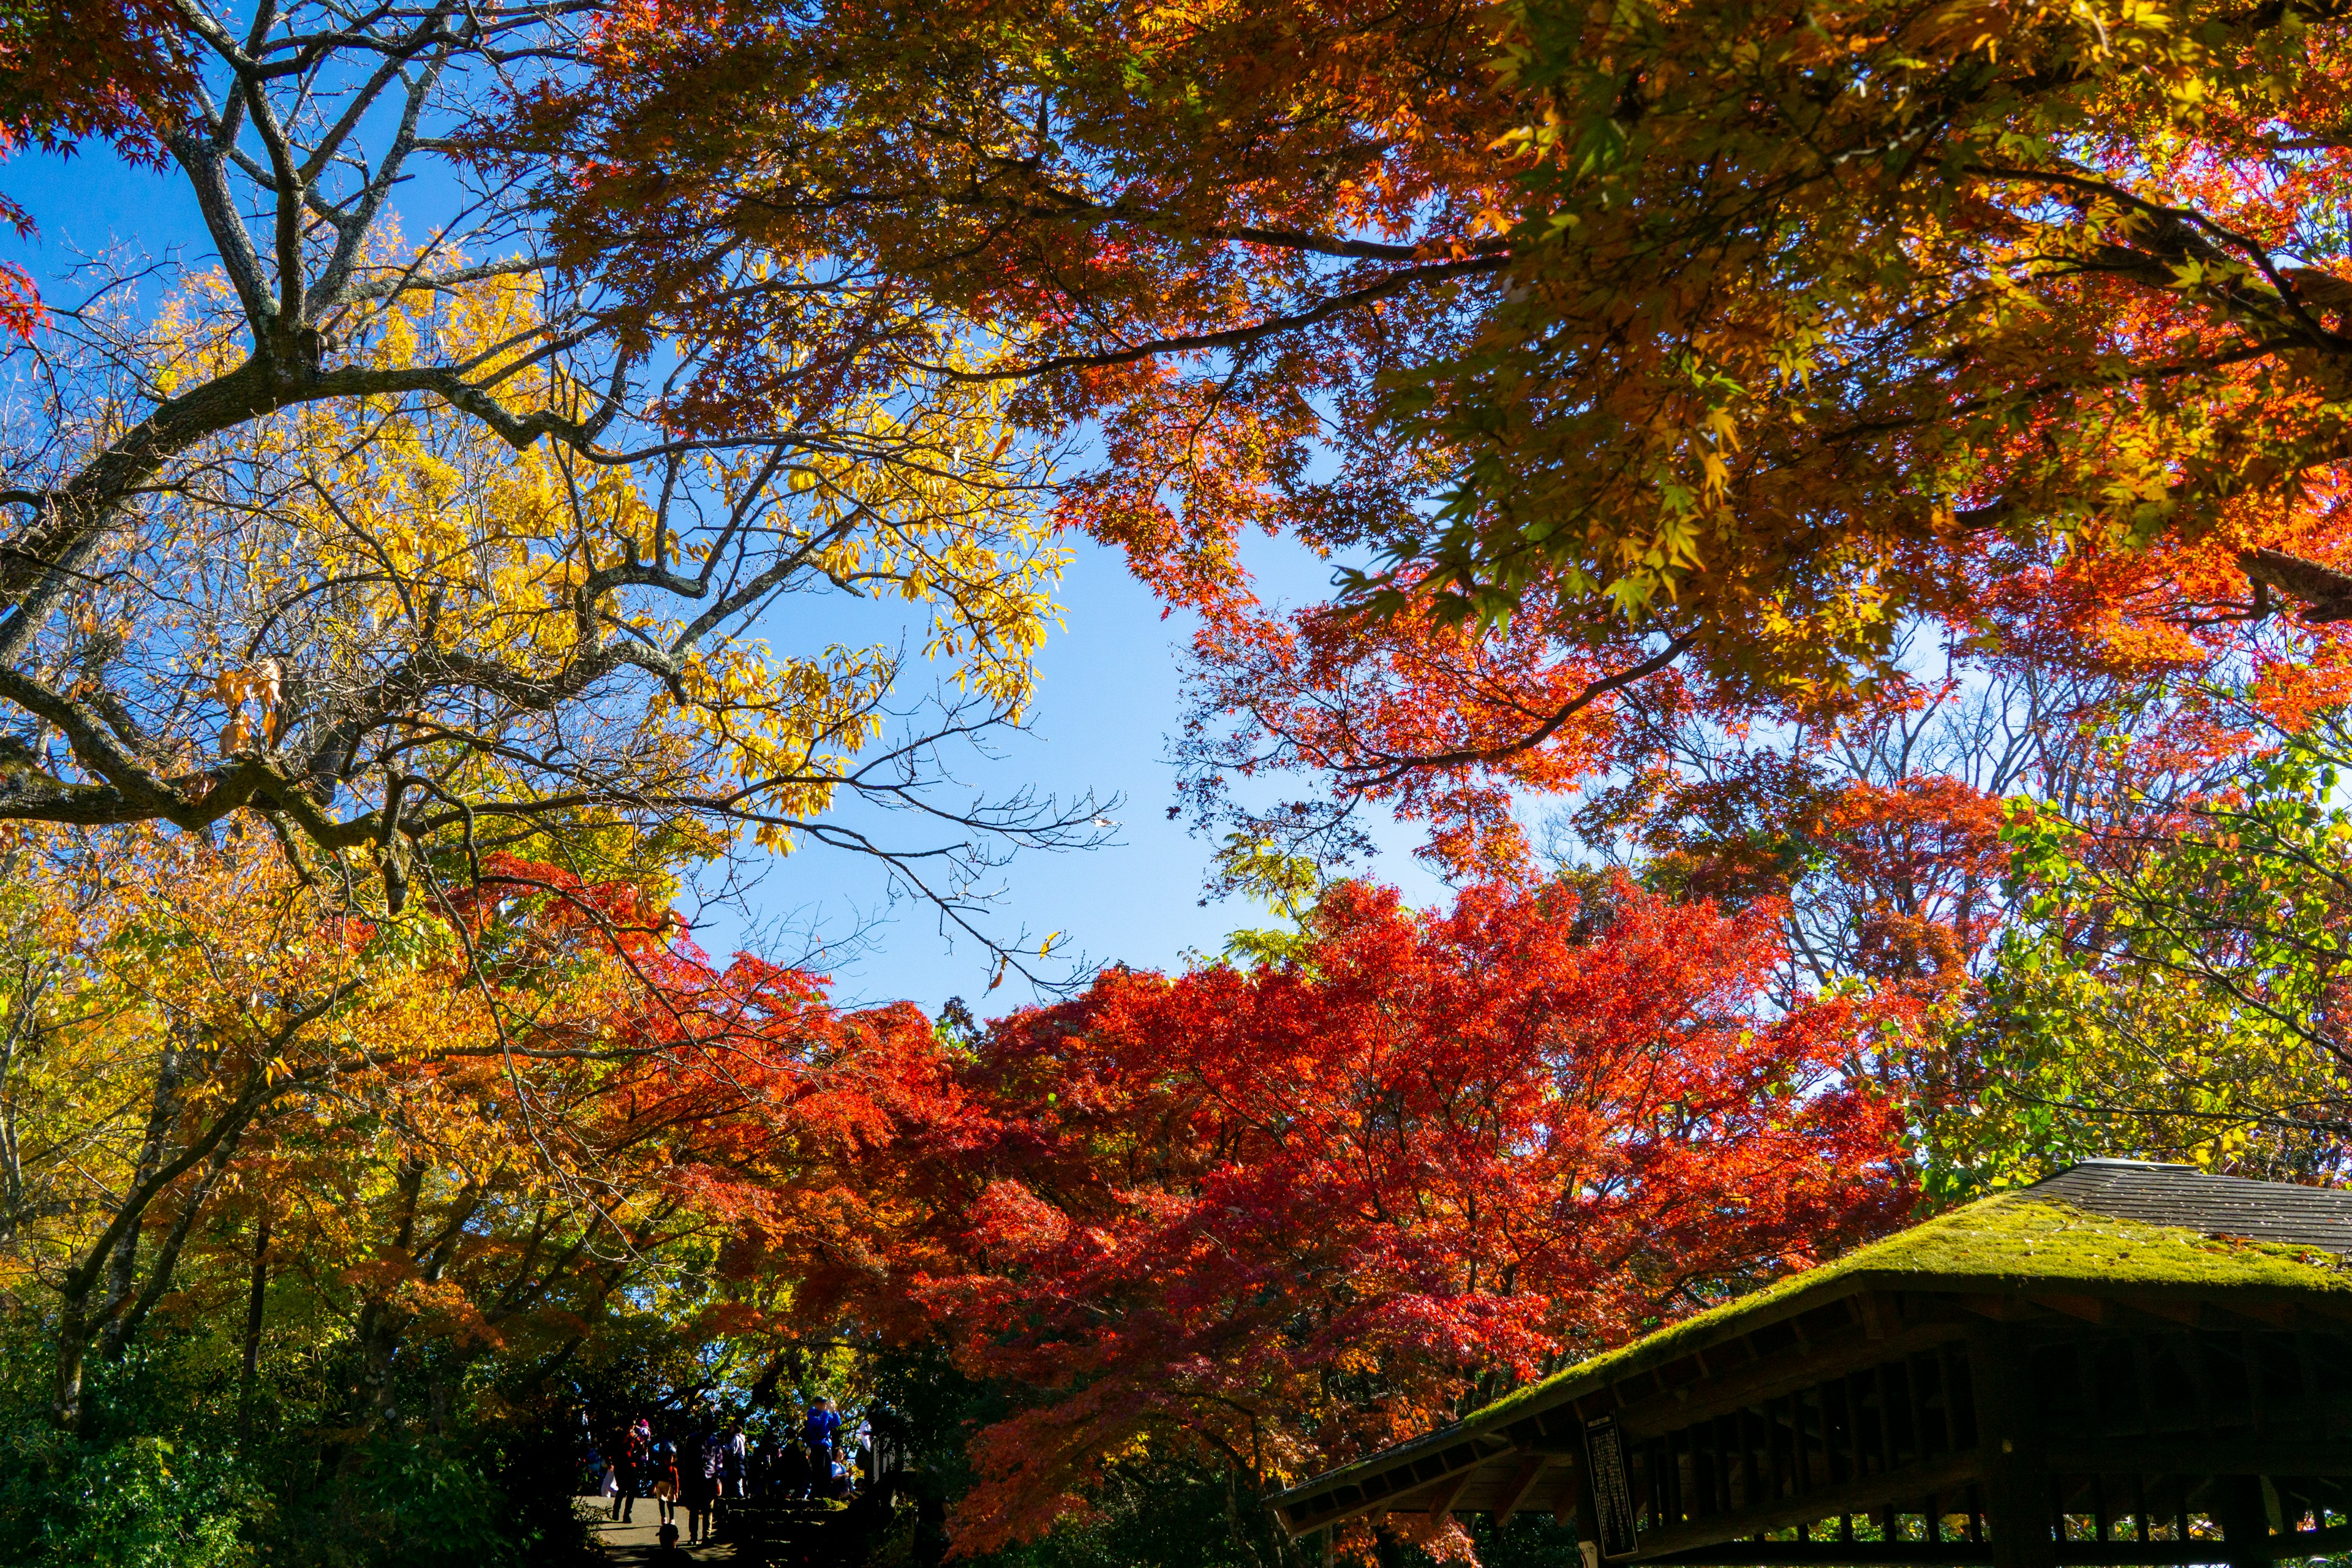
point(1613, 1490)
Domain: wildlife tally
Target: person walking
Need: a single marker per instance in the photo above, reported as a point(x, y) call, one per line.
point(666, 1480)
point(636, 1453)
point(822, 1433)
point(701, 1466)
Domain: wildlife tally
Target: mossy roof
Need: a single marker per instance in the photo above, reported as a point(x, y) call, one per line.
point(2013, 1242)
point(2020, 1242)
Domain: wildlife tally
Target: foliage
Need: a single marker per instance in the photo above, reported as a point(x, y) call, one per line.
point(1258, 1218)
point(1289, 885)
point(1172, 1514)
point(1715, 352)
point(406, 548)
point(2174, 985)
point(148, 1502)
point(72, 70)
point(1912, 289)
point(1785, 432)
point(473, 1136)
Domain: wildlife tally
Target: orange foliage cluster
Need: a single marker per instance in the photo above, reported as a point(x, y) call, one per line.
point(1744, 339)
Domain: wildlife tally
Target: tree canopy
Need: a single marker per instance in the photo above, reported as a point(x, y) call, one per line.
point(1834, 531)
point(407, 547)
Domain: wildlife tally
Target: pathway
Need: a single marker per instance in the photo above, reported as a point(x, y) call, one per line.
point(627, 1545)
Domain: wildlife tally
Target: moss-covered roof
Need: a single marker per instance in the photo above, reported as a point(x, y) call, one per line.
point(2014, 1241)
point(2024, 1241)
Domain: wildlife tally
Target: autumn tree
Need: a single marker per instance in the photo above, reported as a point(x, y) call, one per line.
point(1716, 412)
point(189, 1001)
point(468, 1125)
point(2174, 986)
point(71, 73)
point(1880, 833)
point(1748, 331)
point(433, 547)
point(517, 1214)
point(1267, 1217)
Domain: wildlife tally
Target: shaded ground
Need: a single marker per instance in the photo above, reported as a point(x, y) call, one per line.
point(635, 1543)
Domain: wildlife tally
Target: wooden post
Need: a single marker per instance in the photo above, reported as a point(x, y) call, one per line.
point(2245, 1522)
point(2009, 1442)
point(1587, 1515)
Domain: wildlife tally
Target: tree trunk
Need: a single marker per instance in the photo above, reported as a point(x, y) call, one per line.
point(379, 1325)
point(121, 1269)
point(251, 1371)
point(128, 1322)
point(73, 1353)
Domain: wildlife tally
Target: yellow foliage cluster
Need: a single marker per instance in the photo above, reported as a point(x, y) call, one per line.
point(168, 987)
point(523, 621)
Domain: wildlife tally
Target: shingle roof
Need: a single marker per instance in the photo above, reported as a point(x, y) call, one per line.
point(2185, 1197)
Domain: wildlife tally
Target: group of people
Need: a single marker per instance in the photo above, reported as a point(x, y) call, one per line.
point(699, 1472)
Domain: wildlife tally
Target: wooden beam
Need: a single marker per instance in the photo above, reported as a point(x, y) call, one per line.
point(1949, 1472)
point(2009, 1438)
point(2327, 1305)
point(2187, 1313)
point(1312, 1510)
point(2090, 1309)
point(1516, 1489)
point(1440, 1507)
point(2203, 1456)
point(1778, 1375)
point(2000, 1308)
point(2270, 1314)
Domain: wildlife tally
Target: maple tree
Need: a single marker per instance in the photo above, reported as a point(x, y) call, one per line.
point(74, 70)
point(1755, 330)
point(1270, 1215)
point(1689, 392)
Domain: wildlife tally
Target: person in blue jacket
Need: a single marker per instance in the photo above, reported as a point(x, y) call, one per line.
point(822, 1434)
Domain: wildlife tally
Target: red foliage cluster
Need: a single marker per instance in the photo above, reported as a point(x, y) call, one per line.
point(71, 70)
point(1273, 1217)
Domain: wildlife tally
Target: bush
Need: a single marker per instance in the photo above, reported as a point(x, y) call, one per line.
point(143, 1501)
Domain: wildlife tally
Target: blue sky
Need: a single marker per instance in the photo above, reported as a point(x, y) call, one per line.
point(1107, 702)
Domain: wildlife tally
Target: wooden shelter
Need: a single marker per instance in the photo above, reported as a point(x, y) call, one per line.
point(2124, 1364)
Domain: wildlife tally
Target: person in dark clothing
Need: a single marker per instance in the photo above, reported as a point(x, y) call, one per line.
point(760, 1468)
point(700, 1468)
point(789, 1478)
point(822, 1432)
point(635, 1454)
point(665, 1479)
